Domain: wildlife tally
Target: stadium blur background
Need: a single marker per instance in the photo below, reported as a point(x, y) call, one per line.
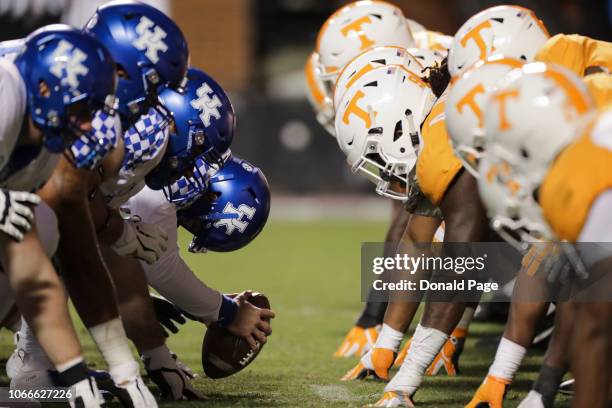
point(256, 49)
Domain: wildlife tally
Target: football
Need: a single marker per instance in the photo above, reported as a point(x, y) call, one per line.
point(224, 354)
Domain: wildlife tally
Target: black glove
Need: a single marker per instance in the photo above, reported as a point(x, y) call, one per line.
point(167, 314)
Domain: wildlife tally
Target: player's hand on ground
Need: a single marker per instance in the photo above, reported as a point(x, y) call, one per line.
point(358, 341)
point(376, 362)
point(448, 357)
point(174, 382)
point(394, 399)
point(251, 322)
point(146, 242)
point(491, 392)
point(130, 389)
point(167, 314)
point(17, 217)
point(86, 394)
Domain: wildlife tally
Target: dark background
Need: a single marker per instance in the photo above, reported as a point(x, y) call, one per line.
point(257, 49)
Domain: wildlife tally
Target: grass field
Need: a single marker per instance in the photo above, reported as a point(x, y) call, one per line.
point(310, 272)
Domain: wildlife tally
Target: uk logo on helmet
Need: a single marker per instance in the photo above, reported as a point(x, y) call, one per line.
point(237, 221)
point(207, 105)
point(150, 39)
point(68, 63)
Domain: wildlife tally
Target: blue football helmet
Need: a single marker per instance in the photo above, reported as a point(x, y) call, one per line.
point(204, 124)
point(231, 212)
point(70, 79)
point(149, 49)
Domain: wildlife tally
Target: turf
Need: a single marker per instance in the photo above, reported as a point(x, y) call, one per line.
point(310, 272)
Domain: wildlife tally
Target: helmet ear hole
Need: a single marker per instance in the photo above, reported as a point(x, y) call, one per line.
point(398, 132)
point(524, 153)
point(43, 89)
point(122, 72)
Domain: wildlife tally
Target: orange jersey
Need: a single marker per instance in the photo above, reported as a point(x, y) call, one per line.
point(600, 87)
point(577, 177)
point(577, 53)
point(437, 164)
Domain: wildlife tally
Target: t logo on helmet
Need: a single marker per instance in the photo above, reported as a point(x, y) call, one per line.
point(207, 105)
point(356, 27)
point(150, 39)
point(474, 34)
point(235, 220)
point(353, 108)
point(469, 100)
point(68, 64)
point(502, 98)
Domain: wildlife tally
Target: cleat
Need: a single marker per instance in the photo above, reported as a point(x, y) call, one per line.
point(394, 399)
point(448, 357)
point(375, 362)
point(358, 341)
point(490, 394)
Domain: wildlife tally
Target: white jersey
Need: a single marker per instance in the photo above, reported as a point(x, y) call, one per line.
point(170, 275)
point(22, 168)
point(131, 177)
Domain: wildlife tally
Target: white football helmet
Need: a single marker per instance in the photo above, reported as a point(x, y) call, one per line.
point(514, 215)
point(465, 103)
point(370, 59)
point(513, 31)
point(355, 28)
point(318, 95)
point(535, 112)
point(427, 57)
point(378, 125)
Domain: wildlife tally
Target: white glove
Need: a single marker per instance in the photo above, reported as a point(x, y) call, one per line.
point(85, 394)
point(145, 242)
point(130, 389)
point(16, 217)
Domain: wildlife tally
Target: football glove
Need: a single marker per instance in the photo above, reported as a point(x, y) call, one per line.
point(376, 362)
point(129, 387)
point(16, 216)
point(167, 314)
point(394, 399)
point(491, 391)
point(448, 357)
point(174, 383)
point(85, 394)
point(143, 241)
point(358, 341)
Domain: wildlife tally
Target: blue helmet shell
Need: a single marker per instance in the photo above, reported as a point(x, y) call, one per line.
point(231, 212)
point(147, 46)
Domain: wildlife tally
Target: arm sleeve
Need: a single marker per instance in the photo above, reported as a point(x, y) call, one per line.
point(170, 275)
point(12, 89)
point(576, 52)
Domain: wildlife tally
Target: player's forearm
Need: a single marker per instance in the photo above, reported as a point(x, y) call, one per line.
point(174, 280)
point(84, 273)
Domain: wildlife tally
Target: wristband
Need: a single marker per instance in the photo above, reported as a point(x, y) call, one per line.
point(227, 311)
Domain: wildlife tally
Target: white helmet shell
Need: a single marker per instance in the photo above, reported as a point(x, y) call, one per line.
point(357, 27)
point(378, 125)
point(370, 59)
point(465, 104)
point(318, 94)
point(513, 31)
